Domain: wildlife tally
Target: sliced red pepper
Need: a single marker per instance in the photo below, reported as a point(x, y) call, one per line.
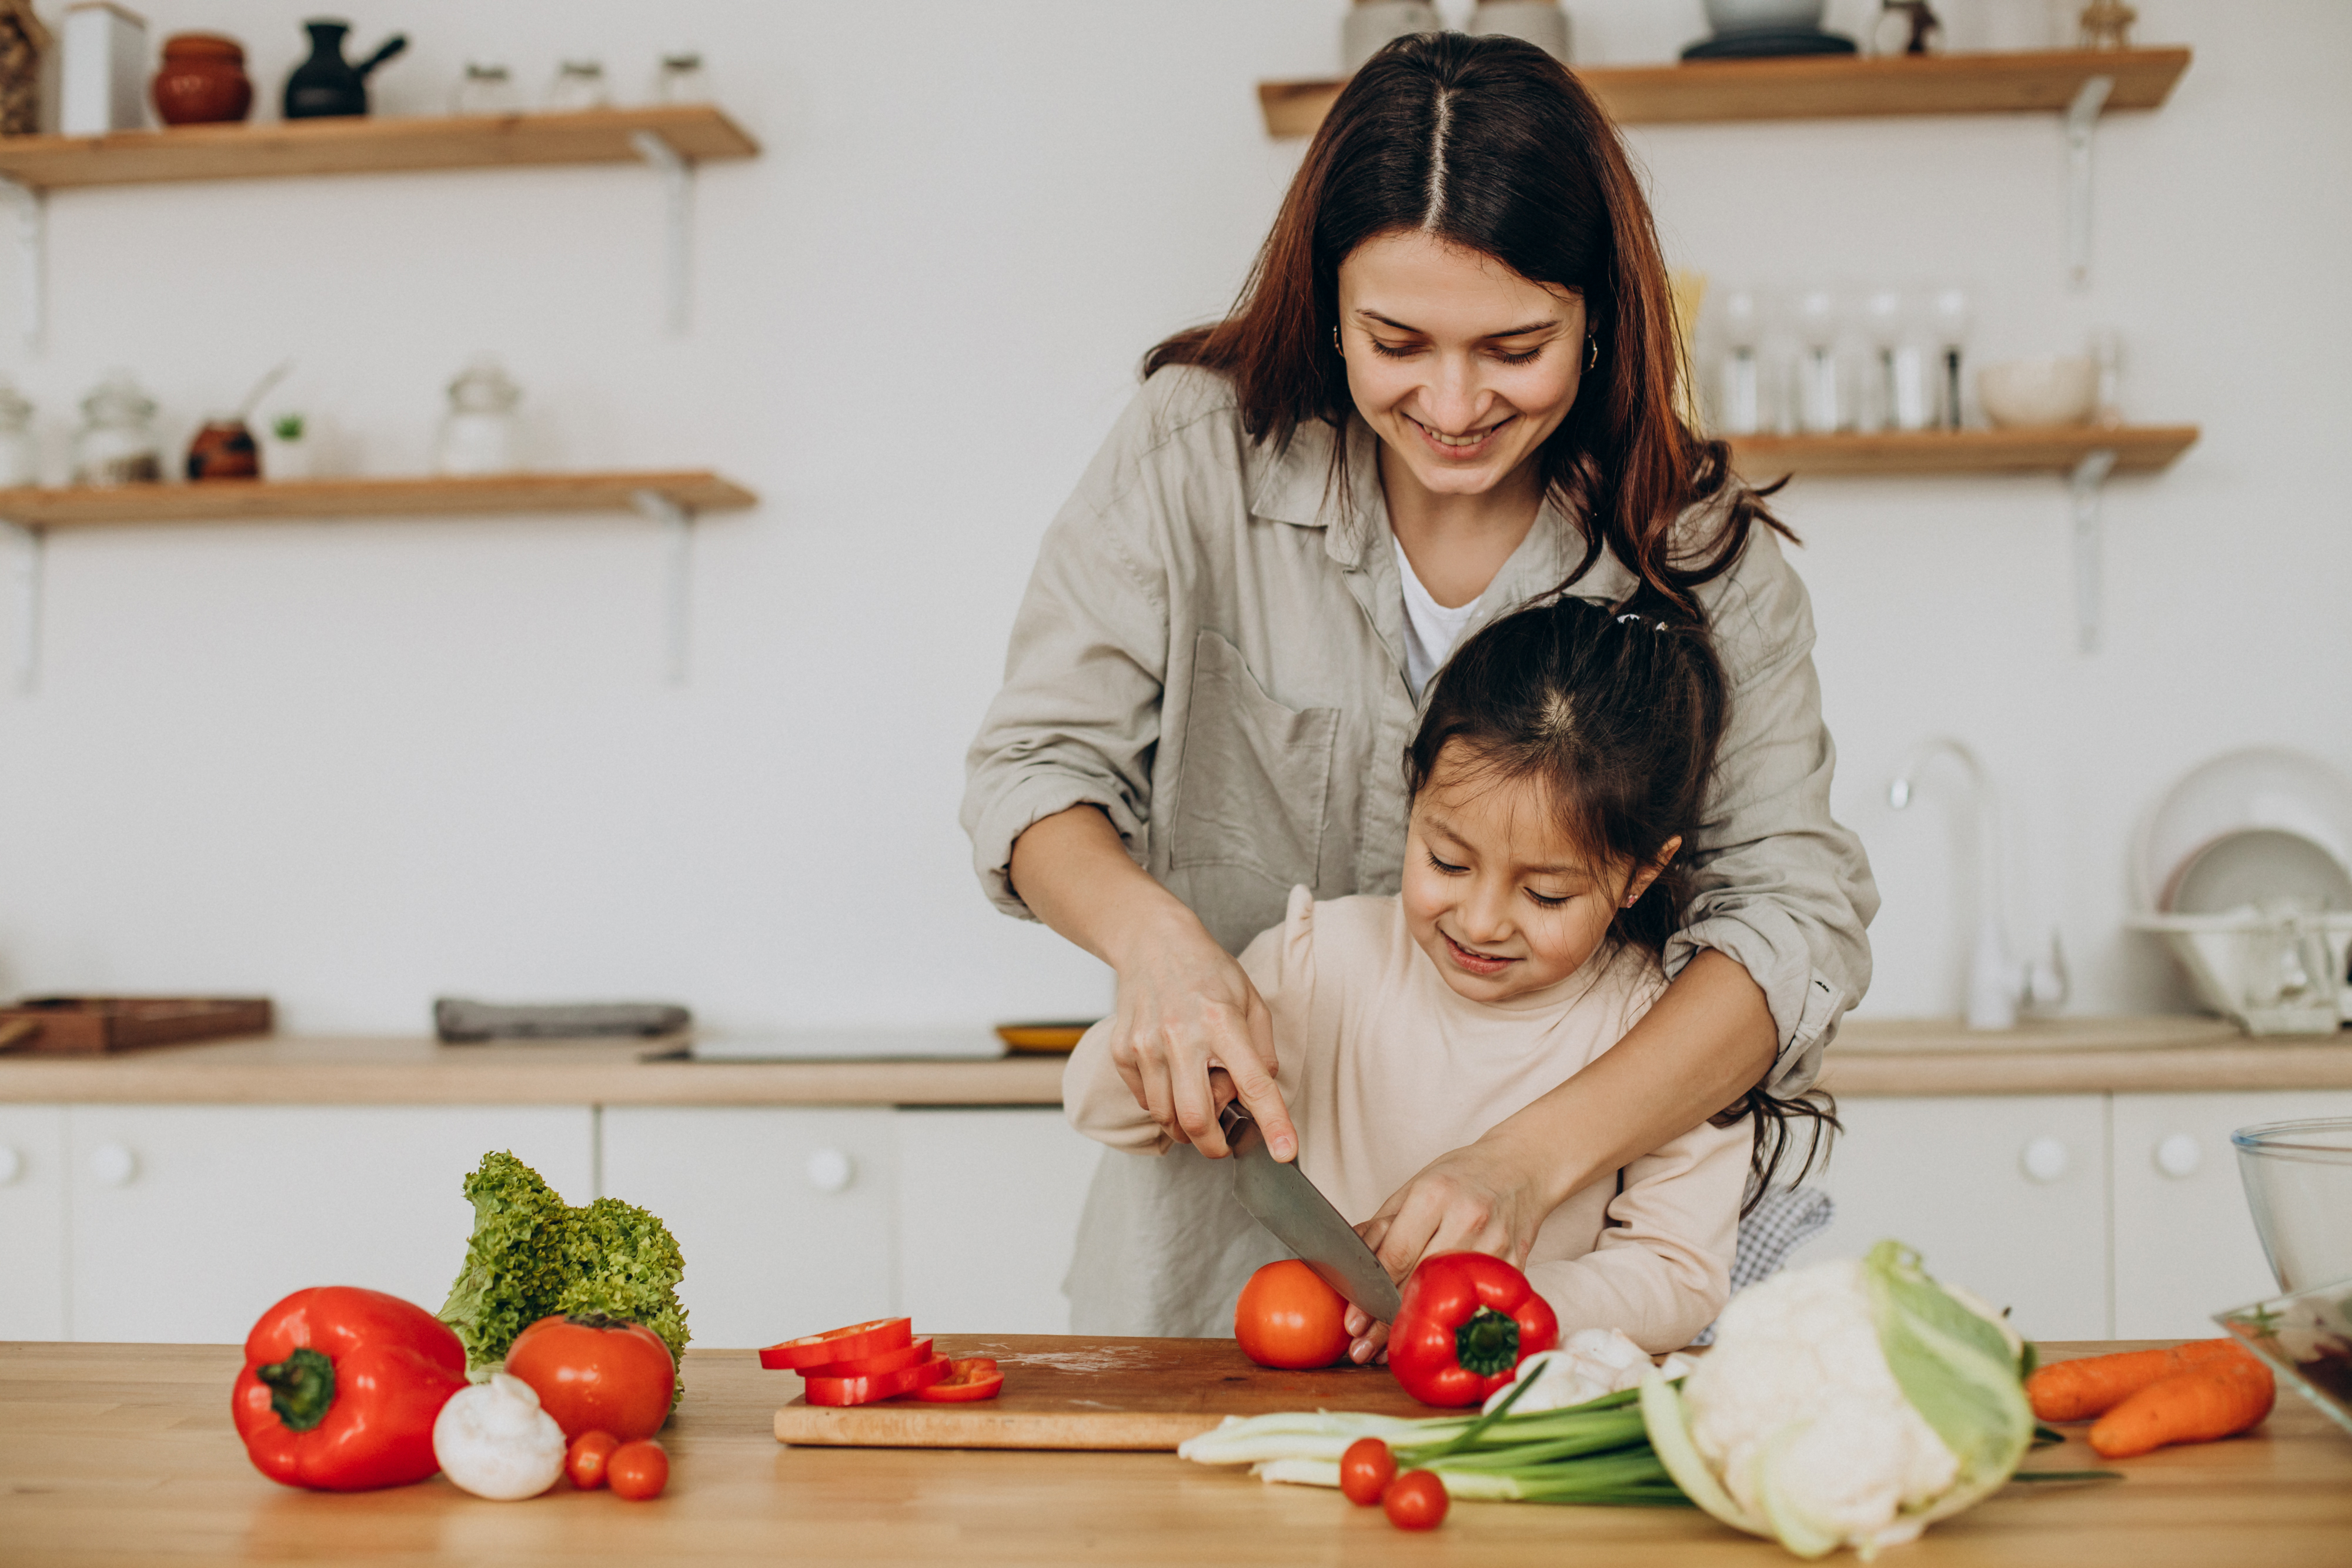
point(838, 1344)
point(881, 1385)
point(867, 1365)
point(974, 1377)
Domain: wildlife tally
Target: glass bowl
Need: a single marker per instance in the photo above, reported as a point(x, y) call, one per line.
point(2298, 1178)
point(2307, 1338)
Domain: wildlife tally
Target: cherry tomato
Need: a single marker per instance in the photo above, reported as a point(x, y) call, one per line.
point(640, 1470)
point(881, 1385)
point(1289, 1317)
point(838, 1344)
point(1415, 1501)
point(595, 1374)
point(584, 1462)
point(868, 1365)
point(1365, 1471)
point(973, 1377)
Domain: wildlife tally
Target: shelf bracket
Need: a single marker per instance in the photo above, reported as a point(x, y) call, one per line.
point(2086, 483)
point(32, 551)
point(2081, 116)
point(32, 257)
point(676, 171)
point(677, 534)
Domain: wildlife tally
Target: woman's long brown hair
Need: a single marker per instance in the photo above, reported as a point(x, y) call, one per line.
point(1491, 144)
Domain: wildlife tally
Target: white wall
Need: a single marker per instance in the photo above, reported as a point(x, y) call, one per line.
point(354, 764)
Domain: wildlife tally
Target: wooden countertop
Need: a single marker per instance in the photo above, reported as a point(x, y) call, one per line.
point(1871, 1057)
point(125, 1454)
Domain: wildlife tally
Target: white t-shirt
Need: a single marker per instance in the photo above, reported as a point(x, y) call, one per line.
point(1431, 630)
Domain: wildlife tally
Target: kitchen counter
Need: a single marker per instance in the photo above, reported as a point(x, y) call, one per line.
point(125, 1453)
point(1871, 1057)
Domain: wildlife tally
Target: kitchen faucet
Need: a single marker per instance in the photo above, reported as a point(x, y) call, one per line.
point(1999, 983)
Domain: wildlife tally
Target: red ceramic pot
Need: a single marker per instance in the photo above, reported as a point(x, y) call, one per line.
point(224, 449)
point(202, 81)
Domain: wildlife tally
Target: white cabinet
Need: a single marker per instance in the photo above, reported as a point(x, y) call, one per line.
point(32, 1222)
point(2004, 1195)
point(188, 1221)
point(2185, 1242)
point(786, 1215)
point(987, 1211)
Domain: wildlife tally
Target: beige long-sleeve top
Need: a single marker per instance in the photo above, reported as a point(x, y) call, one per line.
point(1384, 1067)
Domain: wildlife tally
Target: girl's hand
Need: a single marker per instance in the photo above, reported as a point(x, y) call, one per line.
point(1369, 1340)
point(1473, 1199)
point(1186, 1009)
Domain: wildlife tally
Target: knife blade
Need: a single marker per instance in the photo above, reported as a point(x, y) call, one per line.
point(1286, 1203)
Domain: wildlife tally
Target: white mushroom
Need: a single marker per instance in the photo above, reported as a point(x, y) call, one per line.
point(494, 1440)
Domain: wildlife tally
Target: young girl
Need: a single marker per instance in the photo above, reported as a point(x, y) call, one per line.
point(1562, 760)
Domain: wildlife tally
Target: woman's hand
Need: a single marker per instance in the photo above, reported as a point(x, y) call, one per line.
point(1185, 1009)
point(1191, 1034)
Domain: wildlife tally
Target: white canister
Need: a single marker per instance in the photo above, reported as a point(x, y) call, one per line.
point(480, 433)
point(1543, 23)
point(1372, 24)
point(102, 84)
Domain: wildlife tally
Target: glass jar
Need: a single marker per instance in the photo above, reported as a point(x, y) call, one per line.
point(487, 87)
point(118, 445)
point(480, 433)
point(578, 84)
point(20, 455)
point(682, 79)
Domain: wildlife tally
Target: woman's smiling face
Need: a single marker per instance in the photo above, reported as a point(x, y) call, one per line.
point(1461, 365)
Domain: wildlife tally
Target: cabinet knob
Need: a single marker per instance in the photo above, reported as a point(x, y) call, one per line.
point(12, 1165)
point(2179, 1155)
point(2045, 1159)
point(831, 1170)
point(113, 1164)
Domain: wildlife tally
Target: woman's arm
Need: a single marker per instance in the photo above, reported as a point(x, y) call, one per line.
point(1184, 1004)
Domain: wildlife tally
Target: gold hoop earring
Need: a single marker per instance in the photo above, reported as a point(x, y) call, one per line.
point(1336, 346)
point(1592, 348)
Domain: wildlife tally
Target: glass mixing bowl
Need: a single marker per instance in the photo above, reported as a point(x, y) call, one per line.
point(2298, 1178)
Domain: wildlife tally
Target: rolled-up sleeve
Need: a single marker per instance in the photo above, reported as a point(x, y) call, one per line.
point(1078, 715)
point(1783, 889)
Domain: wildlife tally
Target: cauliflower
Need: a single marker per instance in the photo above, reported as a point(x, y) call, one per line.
point(1849, 1404)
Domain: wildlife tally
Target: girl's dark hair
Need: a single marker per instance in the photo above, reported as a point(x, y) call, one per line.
point(1615, 713)
point(1491, 144)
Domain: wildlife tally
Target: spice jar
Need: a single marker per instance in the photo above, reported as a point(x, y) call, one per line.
point(117, 445)
point(202, 80)
point(20, 455)
point(480, 433)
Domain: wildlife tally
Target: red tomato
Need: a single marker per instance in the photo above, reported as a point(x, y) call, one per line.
point(1365, 1471)
point(1416, 1501)
point(640, 1470)
point(970, 1378)
point(1289, 1317)
point(881, 1385)
point(584, 1462)
point(857, 1340)
point(595, 1374)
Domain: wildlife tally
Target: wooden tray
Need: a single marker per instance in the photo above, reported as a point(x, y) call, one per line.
point(1071, 1391)
point(89, 1025)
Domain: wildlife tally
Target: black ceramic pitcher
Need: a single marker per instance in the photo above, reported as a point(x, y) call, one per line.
point(327, 84)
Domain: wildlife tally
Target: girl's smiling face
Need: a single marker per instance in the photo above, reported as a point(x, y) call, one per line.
point(1496, 892)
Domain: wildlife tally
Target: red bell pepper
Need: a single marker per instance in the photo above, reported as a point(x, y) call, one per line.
point(851, 1343)
point(820, 1390)
point(1466, 1322)
point(341, 1387)
point(970, 1378)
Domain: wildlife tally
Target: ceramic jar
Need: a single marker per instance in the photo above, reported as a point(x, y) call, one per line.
point(202, 80)
point(117, 445)
point(1372, 24)
point(1543, 23)
point(480, 433)
point(224, 449)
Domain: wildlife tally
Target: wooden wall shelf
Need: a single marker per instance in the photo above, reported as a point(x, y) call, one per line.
point(1823, 86)
point(367, 145)
point(2137, 447)
point(303, 500)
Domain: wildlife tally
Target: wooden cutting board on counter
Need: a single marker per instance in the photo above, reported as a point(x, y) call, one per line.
point(1077, 1391)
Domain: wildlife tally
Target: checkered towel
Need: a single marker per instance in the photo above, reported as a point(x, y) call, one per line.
point(1786, 1219)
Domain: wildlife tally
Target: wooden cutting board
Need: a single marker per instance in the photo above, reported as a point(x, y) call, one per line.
point(1072, 1391)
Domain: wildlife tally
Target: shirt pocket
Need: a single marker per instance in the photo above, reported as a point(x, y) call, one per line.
point(1253, 781)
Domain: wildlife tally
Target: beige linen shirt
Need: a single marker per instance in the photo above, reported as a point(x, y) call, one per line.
point(1211, 650)
point(1385, 1067)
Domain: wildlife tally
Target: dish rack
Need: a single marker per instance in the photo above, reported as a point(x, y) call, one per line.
point(2278, 971)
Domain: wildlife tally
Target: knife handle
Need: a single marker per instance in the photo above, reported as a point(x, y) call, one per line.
point(1231, 1119)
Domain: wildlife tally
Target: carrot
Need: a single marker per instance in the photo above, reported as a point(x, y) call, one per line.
point(2094, 1385)
point(2219, 1398)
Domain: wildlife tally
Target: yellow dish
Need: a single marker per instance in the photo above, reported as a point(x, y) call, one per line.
point(1043, 1039)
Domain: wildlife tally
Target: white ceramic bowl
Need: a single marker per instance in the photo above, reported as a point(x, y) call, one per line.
point(2049, 390)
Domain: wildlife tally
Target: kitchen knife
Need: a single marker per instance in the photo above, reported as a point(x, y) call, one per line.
point(1303, 1220)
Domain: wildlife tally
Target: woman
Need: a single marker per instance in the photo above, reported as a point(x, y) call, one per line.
point(1448, 388)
